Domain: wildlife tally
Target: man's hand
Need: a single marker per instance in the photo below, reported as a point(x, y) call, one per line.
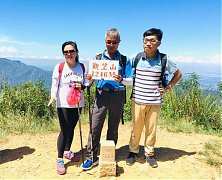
point(51, 101)
point(161, 90)
point(165, 90)
point(118, 78)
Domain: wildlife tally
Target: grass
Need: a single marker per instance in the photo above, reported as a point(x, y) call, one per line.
point(185, 126)
point(212, 153)
point(173, 125)
point(19, 124)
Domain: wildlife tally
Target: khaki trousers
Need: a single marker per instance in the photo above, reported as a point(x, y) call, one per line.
point(144, 115)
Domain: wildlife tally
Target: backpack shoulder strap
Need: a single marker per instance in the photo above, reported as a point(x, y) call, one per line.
point(99, 56)
point(122, 63)
point(163, 58)
point(137, 59)
point(61, 66)
point(83, 70)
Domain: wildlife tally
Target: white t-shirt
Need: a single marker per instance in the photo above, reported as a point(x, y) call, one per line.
point(60, 90)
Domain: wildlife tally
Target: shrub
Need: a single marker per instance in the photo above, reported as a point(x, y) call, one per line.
point(188, 102)
point(26, 99)
point(127, 114)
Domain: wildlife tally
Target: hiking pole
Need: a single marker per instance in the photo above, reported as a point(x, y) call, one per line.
point(90, 120)
point(80, 133)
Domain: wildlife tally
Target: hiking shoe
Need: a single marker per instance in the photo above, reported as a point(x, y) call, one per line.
point(131, 159)
point(151, 161)
point(89, 164)
point(71, 156)
point(60, 168)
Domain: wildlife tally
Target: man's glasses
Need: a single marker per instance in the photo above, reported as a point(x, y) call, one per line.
point(152, 41)
point(69, 52)
point(112, 42)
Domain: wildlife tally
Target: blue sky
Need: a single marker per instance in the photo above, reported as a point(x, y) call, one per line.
point(36, 29)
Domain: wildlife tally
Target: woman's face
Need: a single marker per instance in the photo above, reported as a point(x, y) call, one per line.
point(70, 55)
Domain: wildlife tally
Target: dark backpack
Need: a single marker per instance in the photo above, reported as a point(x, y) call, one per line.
point(163, 58)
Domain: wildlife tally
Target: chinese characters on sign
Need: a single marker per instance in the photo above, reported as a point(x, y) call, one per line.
point(103, 69)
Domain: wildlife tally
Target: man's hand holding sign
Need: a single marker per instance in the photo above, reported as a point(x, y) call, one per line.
point(103, 69)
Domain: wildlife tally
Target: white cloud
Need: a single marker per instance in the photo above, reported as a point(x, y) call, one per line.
point(214, 59)
point(6, 51)
point(12, 48)
point(8, 40)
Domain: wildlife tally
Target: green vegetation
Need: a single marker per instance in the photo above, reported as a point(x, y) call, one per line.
point(187, 109)
point(127, 114)
point(24, 109)
point(19, 124)
point(26, 99)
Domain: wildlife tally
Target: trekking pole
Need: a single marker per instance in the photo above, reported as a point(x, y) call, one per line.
point(80, 133)
point(90, 119)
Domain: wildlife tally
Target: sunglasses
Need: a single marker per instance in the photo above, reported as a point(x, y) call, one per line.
point(69, 52)
point(112, 42)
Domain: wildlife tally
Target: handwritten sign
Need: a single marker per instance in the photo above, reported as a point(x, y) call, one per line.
point(103, 69)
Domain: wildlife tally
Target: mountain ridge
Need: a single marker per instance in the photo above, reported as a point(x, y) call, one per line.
point(15, 72)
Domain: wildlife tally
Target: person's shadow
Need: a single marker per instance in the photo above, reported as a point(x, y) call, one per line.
point(170, 154)
point(7, 155)
point(162, 153)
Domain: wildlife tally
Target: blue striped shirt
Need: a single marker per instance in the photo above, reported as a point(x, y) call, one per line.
point(148, 79)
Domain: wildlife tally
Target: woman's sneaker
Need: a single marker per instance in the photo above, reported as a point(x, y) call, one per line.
point(71, 156)
point(60, 167)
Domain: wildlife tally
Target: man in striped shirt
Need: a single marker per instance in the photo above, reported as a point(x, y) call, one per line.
point(147, 94)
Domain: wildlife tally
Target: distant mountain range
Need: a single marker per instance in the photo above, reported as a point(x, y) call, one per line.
point(209, 74)
point(16, 72)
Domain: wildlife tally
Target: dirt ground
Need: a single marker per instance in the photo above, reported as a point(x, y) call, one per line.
point(34, 156)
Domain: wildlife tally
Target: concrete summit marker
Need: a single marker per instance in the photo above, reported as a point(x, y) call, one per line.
point(107, 163)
